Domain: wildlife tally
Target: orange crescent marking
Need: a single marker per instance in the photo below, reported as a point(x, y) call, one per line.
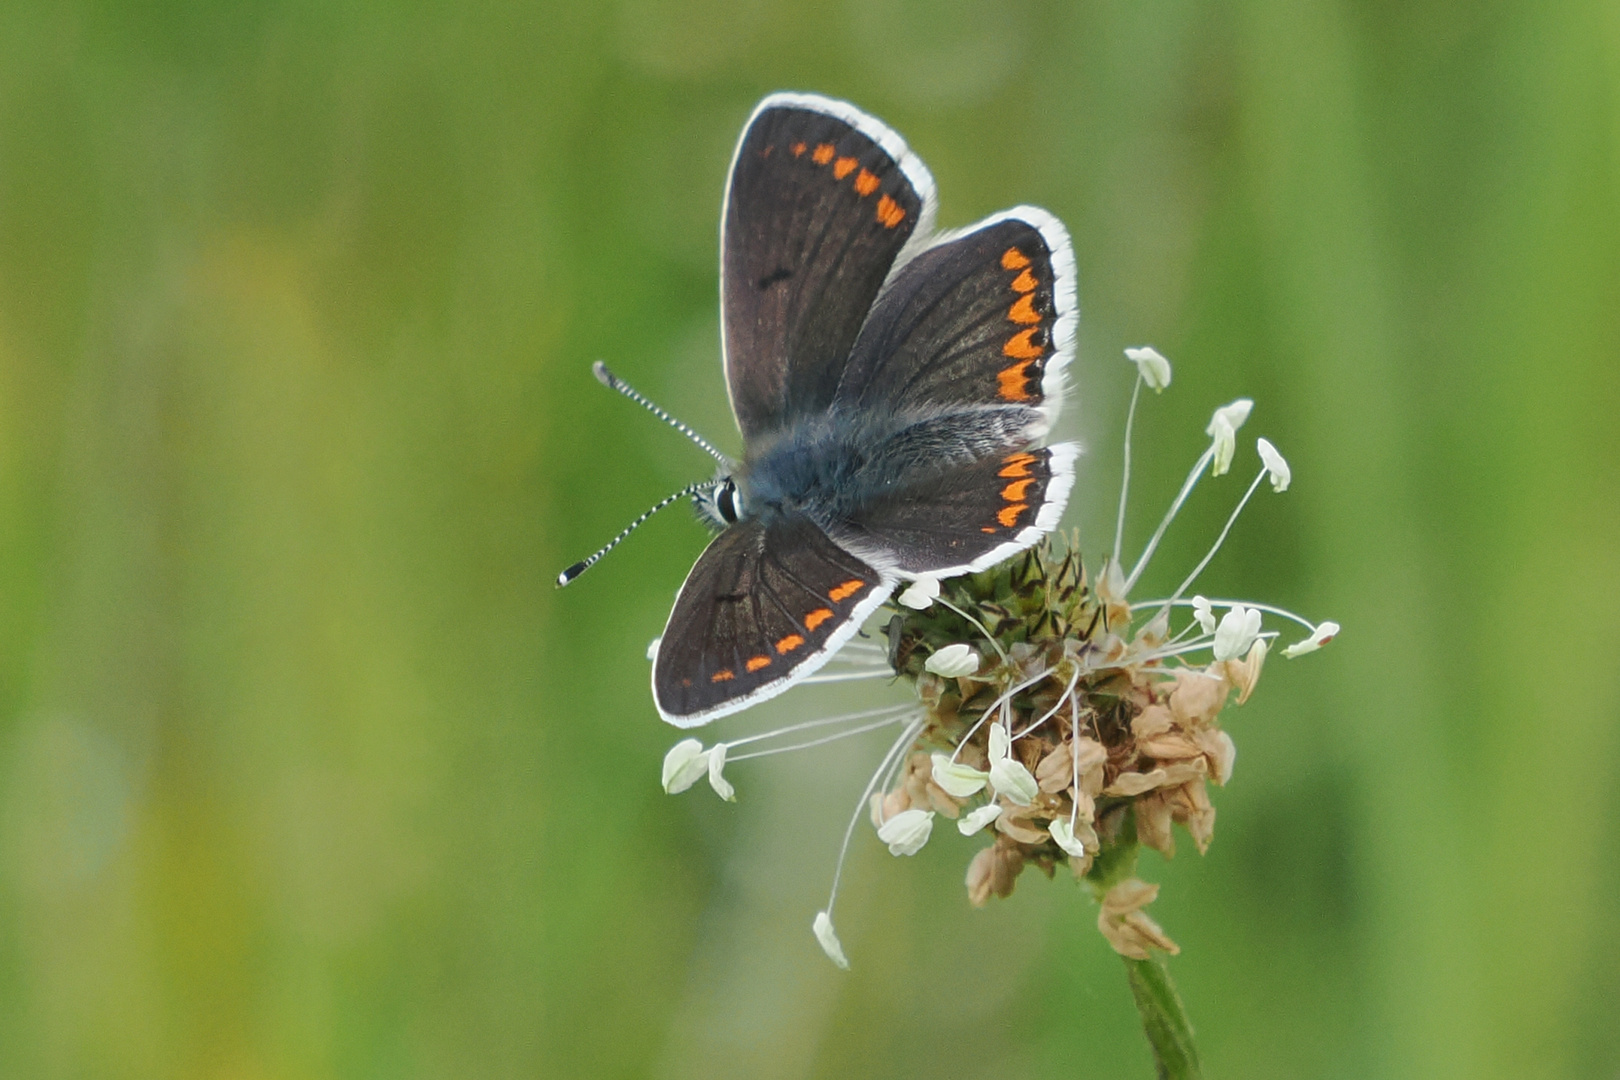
point(1014, 382)
point(1024, 310)
point(756, 662)
point(789, 643)
point(1014, 492)
point(1008, 517)
point(866, 183)
point(847, 590)
point(1013, 259)
point(1024, 282)
point(1017, 465)
point(889, 212)
point(843, 167)
point(823, 154)
point(723, 675)
point(1019, 347)
point(798, 149)
point(817, 617)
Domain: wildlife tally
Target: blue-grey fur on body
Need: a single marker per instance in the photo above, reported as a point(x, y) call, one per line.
point(830, 466)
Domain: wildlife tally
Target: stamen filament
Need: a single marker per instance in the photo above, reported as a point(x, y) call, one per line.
point(1125, 470)
point(1067, 691)
point(1178, 602)
point(988, 636)
point(834, 737)
point(850, 676)
point(1219, 540)
point(825, 721)
point(996, 704)
point(897, 747)
point(1175, 508)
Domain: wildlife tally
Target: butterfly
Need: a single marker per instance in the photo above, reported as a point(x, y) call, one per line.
point(892, 385)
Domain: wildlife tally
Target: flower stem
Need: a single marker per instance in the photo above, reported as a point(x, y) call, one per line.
point(1164, 1019)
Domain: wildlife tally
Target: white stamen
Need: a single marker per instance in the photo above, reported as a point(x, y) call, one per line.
point(717, 762)
point(1008, 776)
point(1237, 633)
point(1063, 835)
point(961, 781)
point(953, 661)
point(920, 594)
point(1203, 613)
point(1154, 368)
point(988, 636)
point(1223, 427)
point(1320, 637)
point(1275, 465)
point(822, 927)
point(907, 831)
point(683, 765)
point(977, 819)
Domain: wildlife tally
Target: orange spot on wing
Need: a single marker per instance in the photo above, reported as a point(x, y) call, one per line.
point(986, 529)
point(1024, 282)
point(846, 590)
point(789, 643)
point(866, 183)
point(843, 167)
point(798, 149)
point(756, 662)
point(1024, 310)
point(823, 154)
point(1019, 347)
point(1008, 517)
point(1014, 492)
point(723, 675)
point(817, 617)
point(1014, 382)
point(889, 212)
point(1017, 465)
point(765, 153)
point(1013, 259)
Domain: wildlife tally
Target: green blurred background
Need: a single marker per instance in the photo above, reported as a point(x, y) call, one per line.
point(307, 771)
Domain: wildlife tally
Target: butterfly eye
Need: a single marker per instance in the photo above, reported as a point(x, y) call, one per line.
point(728, 502)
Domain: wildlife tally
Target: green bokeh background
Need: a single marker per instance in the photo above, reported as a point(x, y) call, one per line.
point(307, 771)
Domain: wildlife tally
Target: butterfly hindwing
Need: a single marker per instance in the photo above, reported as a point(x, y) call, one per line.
point(968, 517)
point(986, 318)
point(765, 605)
point(821, 201)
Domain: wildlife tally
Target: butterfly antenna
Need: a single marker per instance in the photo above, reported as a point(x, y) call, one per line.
point(613, 382)
point(585, 564)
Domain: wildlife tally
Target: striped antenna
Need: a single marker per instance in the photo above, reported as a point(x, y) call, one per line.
point(613, 382)
point(585, 564)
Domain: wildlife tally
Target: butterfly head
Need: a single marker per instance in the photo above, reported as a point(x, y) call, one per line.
point(720, 504)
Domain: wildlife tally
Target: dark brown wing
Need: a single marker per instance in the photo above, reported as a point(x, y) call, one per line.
point(765, 606)
point(985, 319)
point(968, 517)
point(821, 201)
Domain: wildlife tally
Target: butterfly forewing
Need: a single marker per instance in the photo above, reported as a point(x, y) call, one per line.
point(820, 203)
point(985, 319)
point(765, 604)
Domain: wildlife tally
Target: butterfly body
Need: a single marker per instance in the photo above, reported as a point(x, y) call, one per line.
point(892, 387)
